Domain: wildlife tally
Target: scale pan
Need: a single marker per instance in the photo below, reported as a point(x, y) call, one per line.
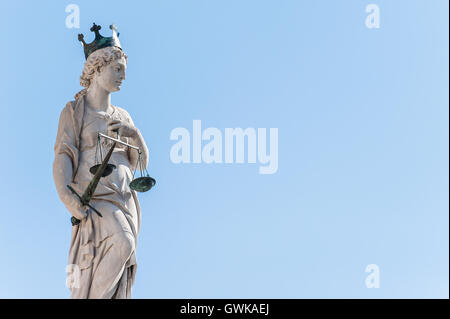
point(108, 170)
point(142, 184)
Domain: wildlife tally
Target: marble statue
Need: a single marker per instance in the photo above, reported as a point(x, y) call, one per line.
point(102, 249)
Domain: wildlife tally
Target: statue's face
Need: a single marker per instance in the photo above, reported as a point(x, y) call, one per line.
point(112, 75)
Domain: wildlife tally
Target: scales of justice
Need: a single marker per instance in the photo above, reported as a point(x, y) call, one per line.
point(140, 184)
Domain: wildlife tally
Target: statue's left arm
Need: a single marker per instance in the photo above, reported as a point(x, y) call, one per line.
point(128, 129)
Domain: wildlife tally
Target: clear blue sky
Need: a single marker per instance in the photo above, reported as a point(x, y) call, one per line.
point(363, 145)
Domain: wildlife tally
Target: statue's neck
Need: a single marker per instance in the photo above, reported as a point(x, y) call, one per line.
point(98, 98)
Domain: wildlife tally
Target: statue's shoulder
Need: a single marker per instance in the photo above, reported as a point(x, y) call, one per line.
point(72, 114)
point(123, 112)
point(69, 107)
point(67, 110)
point(75, 107)
point(121, 109)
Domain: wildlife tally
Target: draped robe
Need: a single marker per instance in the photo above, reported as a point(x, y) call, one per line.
point(98, 240)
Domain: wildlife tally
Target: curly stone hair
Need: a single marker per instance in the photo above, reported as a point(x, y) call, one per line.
point(95, 63)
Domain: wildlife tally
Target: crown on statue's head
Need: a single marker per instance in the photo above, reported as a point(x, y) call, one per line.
point(100, 42)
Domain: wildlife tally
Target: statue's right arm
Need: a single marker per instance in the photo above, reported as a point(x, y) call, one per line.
point(62, 175)
point(63, 167)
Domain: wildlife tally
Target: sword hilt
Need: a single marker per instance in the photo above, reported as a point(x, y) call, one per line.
point(83, 202)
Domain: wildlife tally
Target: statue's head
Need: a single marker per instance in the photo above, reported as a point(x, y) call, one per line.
point(104, 68)
point(105, 64)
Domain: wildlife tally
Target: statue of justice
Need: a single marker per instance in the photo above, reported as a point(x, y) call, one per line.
point(98, 150)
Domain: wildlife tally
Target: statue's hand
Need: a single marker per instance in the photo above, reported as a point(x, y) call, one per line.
point(74, 206)
point(125, 128)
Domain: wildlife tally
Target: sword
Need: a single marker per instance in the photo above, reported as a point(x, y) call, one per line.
point(89, 192)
